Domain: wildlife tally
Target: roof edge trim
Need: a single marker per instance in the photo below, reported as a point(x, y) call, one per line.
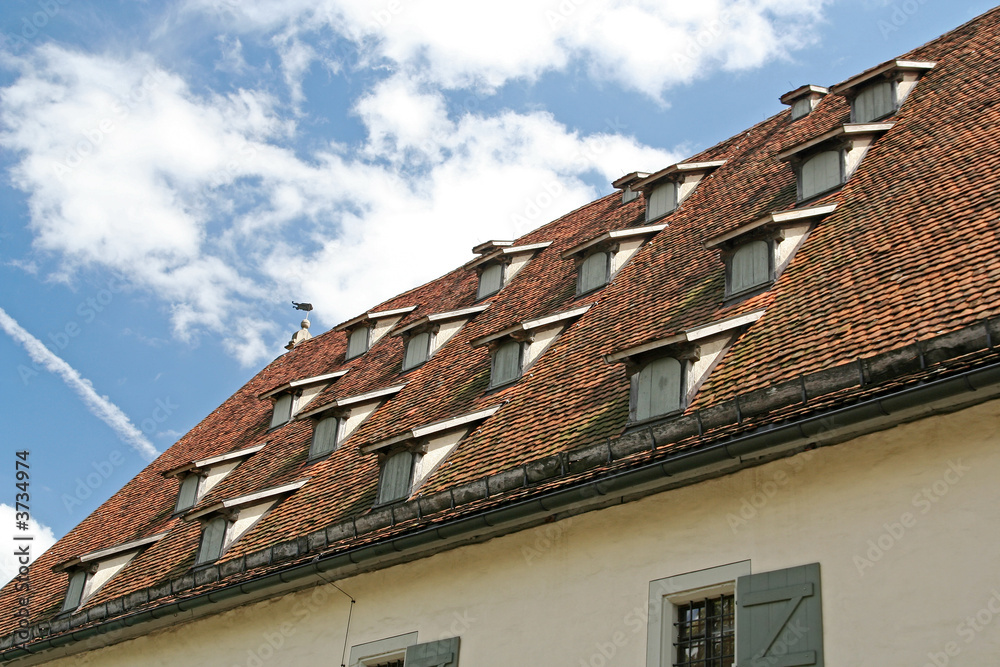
point(845, 129)
point(101, 554)
point(647, 230)
point(692, 334)
point(241, 501)
point(888, 66)
point(441, 317)
point(792, 215)
point(680, 167)
point(527, 325)
point(352, 400)
point(373, 315)
point(431, 429)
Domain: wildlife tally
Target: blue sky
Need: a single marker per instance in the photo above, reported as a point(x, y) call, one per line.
point(175, 173)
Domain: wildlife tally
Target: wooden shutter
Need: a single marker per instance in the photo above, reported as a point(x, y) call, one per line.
point(417, 350)
point(188, 493)
point(324, 438)
point(75, 591)
point(282, 410)
point(212, 536)
point(779, 618)
point(357, 343)
point(594, 271)
point(874, 102)
point(442, 653)
point(801, 108)
point(820, 173)
point(490, 280)
point(658, 390)
point(397, 474)
point(662, 200)
point(750, 266)
point(506, 363)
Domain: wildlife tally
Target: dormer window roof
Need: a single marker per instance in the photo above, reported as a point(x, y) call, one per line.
point(499, 263)
point(600, 258)
point(881, 91)
point(365, 330)
point(514, 349)
point(423, 337)
point(665, 374)
point(406, 460)
point(626, 184)
point(755, 254)
point(826, 162)
point(201, 476)
point(89, 572)
point(336, 421)
point(291, 397)
point(804, 99)
point(666, 189)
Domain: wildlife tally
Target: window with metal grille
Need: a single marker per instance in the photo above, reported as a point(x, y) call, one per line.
point(391, 663)
point(705, 633)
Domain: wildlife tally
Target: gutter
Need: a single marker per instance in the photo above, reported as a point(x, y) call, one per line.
point(938, 396)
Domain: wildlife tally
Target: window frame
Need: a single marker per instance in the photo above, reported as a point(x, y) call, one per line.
point(200, 558)
point(493, 363)
point(78, 596)
point(383, 464)
point(194, 501)
point(368, 342)
point(608, 260)
point(274, 410)
point(380, 651)
point(841, 162)
point(644, 363)
point(893, 104)
point(676, 192)
point(771, 242)
point(313, 456)
point(427, 352)
point(479, 281)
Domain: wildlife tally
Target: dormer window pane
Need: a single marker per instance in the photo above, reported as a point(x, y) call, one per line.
point(662, 200)
point(490, 280)
point(417, 350)
point(397, 475)
point(282, 410)
point(594, 272)
point(801, 108)
point(658, 389)
point(357, 343)
point(874, 102)
point(74, 594)
point(506, 363)
point(324, 438)
point(820, 173)
point(188, 493)
point(750, 266)
point(212, 537)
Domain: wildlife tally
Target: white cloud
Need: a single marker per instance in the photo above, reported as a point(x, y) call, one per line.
point(194, 197)
point(100, 406)
point(42, 539)
point(642, 45)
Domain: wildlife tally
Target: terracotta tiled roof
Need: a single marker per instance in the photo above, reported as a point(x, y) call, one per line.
point(909, 254)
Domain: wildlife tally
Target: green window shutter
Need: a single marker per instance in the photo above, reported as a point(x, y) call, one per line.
point(490, 280)
point(750, 266)
point(779, 618)
point(282, 410)
point(874, 102)
point(212, 537)
point(188, 493)
point(820, 173)
point(397, 475)
point(594, 271)
point(324, 438)
point(357, 343)
point(75, 591)
point(662, 200)
point(442, 653)
point(658, 390)
point(417, 350)
point(506, 363)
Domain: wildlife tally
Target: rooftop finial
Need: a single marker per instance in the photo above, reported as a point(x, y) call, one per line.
point(302, 334)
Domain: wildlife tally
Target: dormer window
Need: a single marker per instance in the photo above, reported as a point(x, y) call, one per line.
point(664, 375)
point(824, 163)
point(408, 459)
point(755, 254)
point(89, 573)
point(881, 91)
point(188, 494)
point(418, 350)
point(804, 99)
point(668, 188)
point(201, 476)
point(423, 337)
point(625, 184)
point(224, 522)
point(515, 349)
point(291, 397)
point(282, 411)
point(335, 421)
point(499, 262)
point(74, 594)
point(600, 258)
point(364, 331)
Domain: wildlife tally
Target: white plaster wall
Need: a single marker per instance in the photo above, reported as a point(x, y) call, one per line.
point(359, 413)
point(438, 450)
point(105, 570)
point(625, 251)
point(574, 591)
point(445, 331)
point(214, 476)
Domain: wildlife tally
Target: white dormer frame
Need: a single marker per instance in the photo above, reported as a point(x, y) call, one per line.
point(299, 393)
point(783, 231)
point(210, 471)
point(698, 350)
point(350, 412)
point(804, 99)
point(534, 336)
point(98, 568)
point(902, 74)
point(510, 258)
point(620, 244)
point(378, 324)
point(627, 185)
point(440, 327)
point(426, 447)
point(684, 177)
point(851, 141)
